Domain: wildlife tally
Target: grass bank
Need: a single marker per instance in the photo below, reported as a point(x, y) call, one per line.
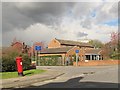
point(6, 75)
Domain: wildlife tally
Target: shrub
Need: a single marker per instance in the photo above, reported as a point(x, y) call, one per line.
point(0, 64)
point(9, 62)
point(50, 61)
point(26, 62)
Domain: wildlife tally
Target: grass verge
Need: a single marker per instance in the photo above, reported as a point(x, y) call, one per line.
point(6, 75)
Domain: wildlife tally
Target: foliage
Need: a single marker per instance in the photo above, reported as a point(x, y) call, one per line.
point(115, 45)
point(26, 62)
point(71, 62)
point(96, 43)
point(1, 64)
point(111, 50)
point(9, 62)
point(115, 55)
point(50, 60)
point(106, 51)
point(74, 58)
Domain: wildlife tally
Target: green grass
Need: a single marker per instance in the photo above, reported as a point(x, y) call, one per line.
point(6, 75)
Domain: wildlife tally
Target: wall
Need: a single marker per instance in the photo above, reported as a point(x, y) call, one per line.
point(31, 50)
point(97, 63)
point(81, 52)
point(54, 44)
point(17, 45)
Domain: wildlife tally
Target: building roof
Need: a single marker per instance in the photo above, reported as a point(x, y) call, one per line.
point(92, 51)
point(73, 43)
point(57, 50)
point(16, 43)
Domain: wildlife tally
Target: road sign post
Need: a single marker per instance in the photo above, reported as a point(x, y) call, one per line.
point(77, 51)
point(39, 58)
point(37, 48)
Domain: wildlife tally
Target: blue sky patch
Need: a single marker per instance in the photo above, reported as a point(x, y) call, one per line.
point(113, 22)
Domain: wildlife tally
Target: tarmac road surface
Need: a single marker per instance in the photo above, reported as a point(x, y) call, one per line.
point(81, 77)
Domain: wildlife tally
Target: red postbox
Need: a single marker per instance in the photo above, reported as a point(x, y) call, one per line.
point(19, 66)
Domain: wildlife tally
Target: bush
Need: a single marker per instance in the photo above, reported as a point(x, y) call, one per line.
point(26, 62)
point(50, 61)
point(9, 62)
point(0, 64)
point(115, 55)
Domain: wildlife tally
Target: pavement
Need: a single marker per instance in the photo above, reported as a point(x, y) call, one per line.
point(25, 81)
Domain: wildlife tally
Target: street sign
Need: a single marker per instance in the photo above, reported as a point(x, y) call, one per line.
point(38, 48)
point(77, 51)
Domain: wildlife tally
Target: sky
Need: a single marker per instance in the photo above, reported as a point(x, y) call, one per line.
point(43, 21)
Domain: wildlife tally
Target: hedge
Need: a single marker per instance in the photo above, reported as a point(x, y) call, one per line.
point(50, 61)
point(9, 62)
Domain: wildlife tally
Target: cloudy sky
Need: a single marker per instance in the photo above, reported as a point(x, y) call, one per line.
point(43, 21)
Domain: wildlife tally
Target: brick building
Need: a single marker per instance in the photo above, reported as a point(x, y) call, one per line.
point(32, 50)
point(17, 46)
point(67, 48)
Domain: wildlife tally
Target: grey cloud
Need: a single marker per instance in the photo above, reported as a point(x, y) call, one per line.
point(21, 15)
point(119, 17)
point(82, 9)
point(0, 24)
point(12, 18)
point(81, 34)
point(100, 15)
point(87, 23)
point(103, 16)
point(114, 9)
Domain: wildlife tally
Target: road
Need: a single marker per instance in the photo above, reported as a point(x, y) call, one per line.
point(81, 77)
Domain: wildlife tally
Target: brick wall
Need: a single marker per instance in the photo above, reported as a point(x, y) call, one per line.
point(97, 63)
point(81, 52)
point(54, 44)
point(17, 47)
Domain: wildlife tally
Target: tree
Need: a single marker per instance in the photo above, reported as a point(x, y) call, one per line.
point(112, 48)
point(106, 51)
point(115, 45)
point(96, 43)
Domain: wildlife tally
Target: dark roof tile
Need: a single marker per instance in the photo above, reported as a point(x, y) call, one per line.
point(92, 51)
point(56, 50)
point(73, 43)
